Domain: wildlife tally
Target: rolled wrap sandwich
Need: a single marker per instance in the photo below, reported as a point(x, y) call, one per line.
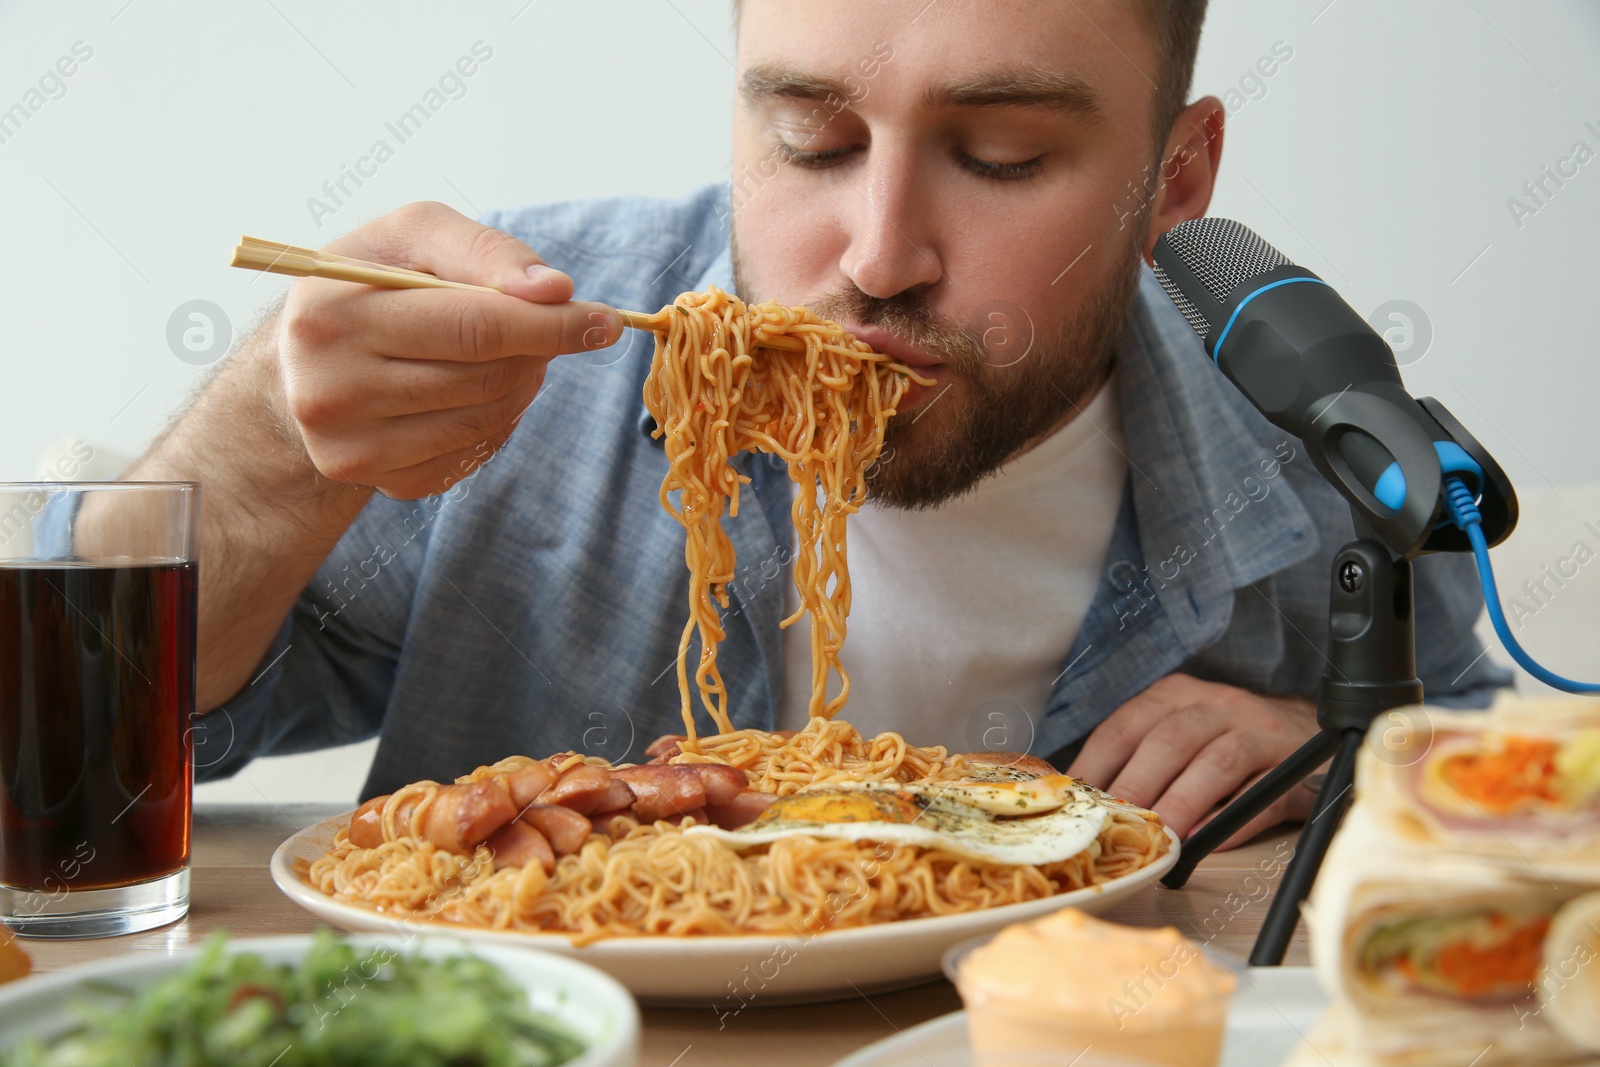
point(1521, 780)
point(1569, 984)
point(1435, 957)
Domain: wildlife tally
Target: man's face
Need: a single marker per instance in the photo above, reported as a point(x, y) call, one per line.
point(961, 184)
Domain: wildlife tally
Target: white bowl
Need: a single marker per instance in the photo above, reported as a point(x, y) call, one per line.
point(591, 1005)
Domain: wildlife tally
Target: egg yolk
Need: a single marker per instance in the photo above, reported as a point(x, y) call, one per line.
point(855, 806)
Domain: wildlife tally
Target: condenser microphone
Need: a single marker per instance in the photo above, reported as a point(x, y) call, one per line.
point(1315, 369)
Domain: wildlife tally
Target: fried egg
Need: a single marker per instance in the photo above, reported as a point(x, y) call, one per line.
point(1002, 789)
point(988, 821)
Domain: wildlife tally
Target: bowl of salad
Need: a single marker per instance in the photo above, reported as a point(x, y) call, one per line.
point(362, 1001)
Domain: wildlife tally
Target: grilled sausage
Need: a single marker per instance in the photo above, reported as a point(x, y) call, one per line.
point(580, 788)
point(619, 797)
point(722, 782)
point(662, 790)
point(664, 747)
point(516, 844)
point(742, 810)
point(366, 825)
point(463, 816)
point(564, 828)
point(528, 782)
point(403, 812)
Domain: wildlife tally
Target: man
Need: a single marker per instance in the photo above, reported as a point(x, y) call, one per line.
point(1080, 531)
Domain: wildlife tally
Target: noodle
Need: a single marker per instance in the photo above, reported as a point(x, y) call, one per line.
point(826, 751)
point(822, 411)
point(659, 880)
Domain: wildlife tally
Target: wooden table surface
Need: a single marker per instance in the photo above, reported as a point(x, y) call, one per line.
point(230, 889)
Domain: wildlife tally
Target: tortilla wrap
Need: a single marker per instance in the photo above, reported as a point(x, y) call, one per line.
point(1520, 781)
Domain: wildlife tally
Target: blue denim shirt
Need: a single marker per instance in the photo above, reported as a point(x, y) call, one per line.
point(537, 606)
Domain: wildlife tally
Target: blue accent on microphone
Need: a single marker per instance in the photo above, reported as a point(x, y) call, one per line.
point(1464, 509)
point(1391, 488)
point(1453, 459)
point(1216, 349)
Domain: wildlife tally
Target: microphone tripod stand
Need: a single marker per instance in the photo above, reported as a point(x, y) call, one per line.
point(1371, 669)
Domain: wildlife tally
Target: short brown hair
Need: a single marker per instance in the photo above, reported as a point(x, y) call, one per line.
point(1177, 25)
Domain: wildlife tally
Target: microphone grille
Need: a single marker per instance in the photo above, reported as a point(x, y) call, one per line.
point(1196, 317)
point(1221, 253)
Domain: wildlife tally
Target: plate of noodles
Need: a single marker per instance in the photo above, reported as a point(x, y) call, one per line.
point(840, 864)
point(745, 865)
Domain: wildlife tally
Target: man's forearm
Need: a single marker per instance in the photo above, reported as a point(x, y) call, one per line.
point(268, 517)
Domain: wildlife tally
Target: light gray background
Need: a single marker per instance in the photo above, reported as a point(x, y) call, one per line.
point(1382, 155)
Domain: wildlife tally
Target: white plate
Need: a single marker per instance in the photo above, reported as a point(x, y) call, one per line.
point(730, 973)
point(1272, 1010)
point(591, 1005)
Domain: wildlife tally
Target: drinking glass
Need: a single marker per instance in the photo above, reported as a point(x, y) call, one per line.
point(98, 597)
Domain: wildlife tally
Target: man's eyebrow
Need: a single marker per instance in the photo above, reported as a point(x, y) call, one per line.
point(1019, 88)
point(1033, 88)
point(764, 80)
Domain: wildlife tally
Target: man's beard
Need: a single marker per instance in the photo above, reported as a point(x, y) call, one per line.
point(995, 399)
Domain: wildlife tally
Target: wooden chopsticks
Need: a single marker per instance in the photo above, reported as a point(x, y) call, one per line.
point(253, 253)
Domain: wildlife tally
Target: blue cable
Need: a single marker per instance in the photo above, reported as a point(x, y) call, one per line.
point(1464, 510)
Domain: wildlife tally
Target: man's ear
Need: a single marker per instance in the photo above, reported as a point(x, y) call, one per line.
point(1188, 169)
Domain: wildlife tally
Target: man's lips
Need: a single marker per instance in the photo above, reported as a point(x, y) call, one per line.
point(896, 349)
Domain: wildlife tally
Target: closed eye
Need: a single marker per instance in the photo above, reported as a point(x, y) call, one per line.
point(983, 168)
point(788, 153)
point(1004, 172)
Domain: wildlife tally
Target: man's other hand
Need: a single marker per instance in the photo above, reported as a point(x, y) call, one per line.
point(1184, 748)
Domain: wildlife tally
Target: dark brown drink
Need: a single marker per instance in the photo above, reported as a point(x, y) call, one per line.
point(96, 695)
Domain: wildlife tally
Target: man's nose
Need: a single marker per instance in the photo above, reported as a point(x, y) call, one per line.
point(892, 245)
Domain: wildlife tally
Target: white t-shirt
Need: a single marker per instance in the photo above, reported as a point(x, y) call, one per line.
point(962, 616)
